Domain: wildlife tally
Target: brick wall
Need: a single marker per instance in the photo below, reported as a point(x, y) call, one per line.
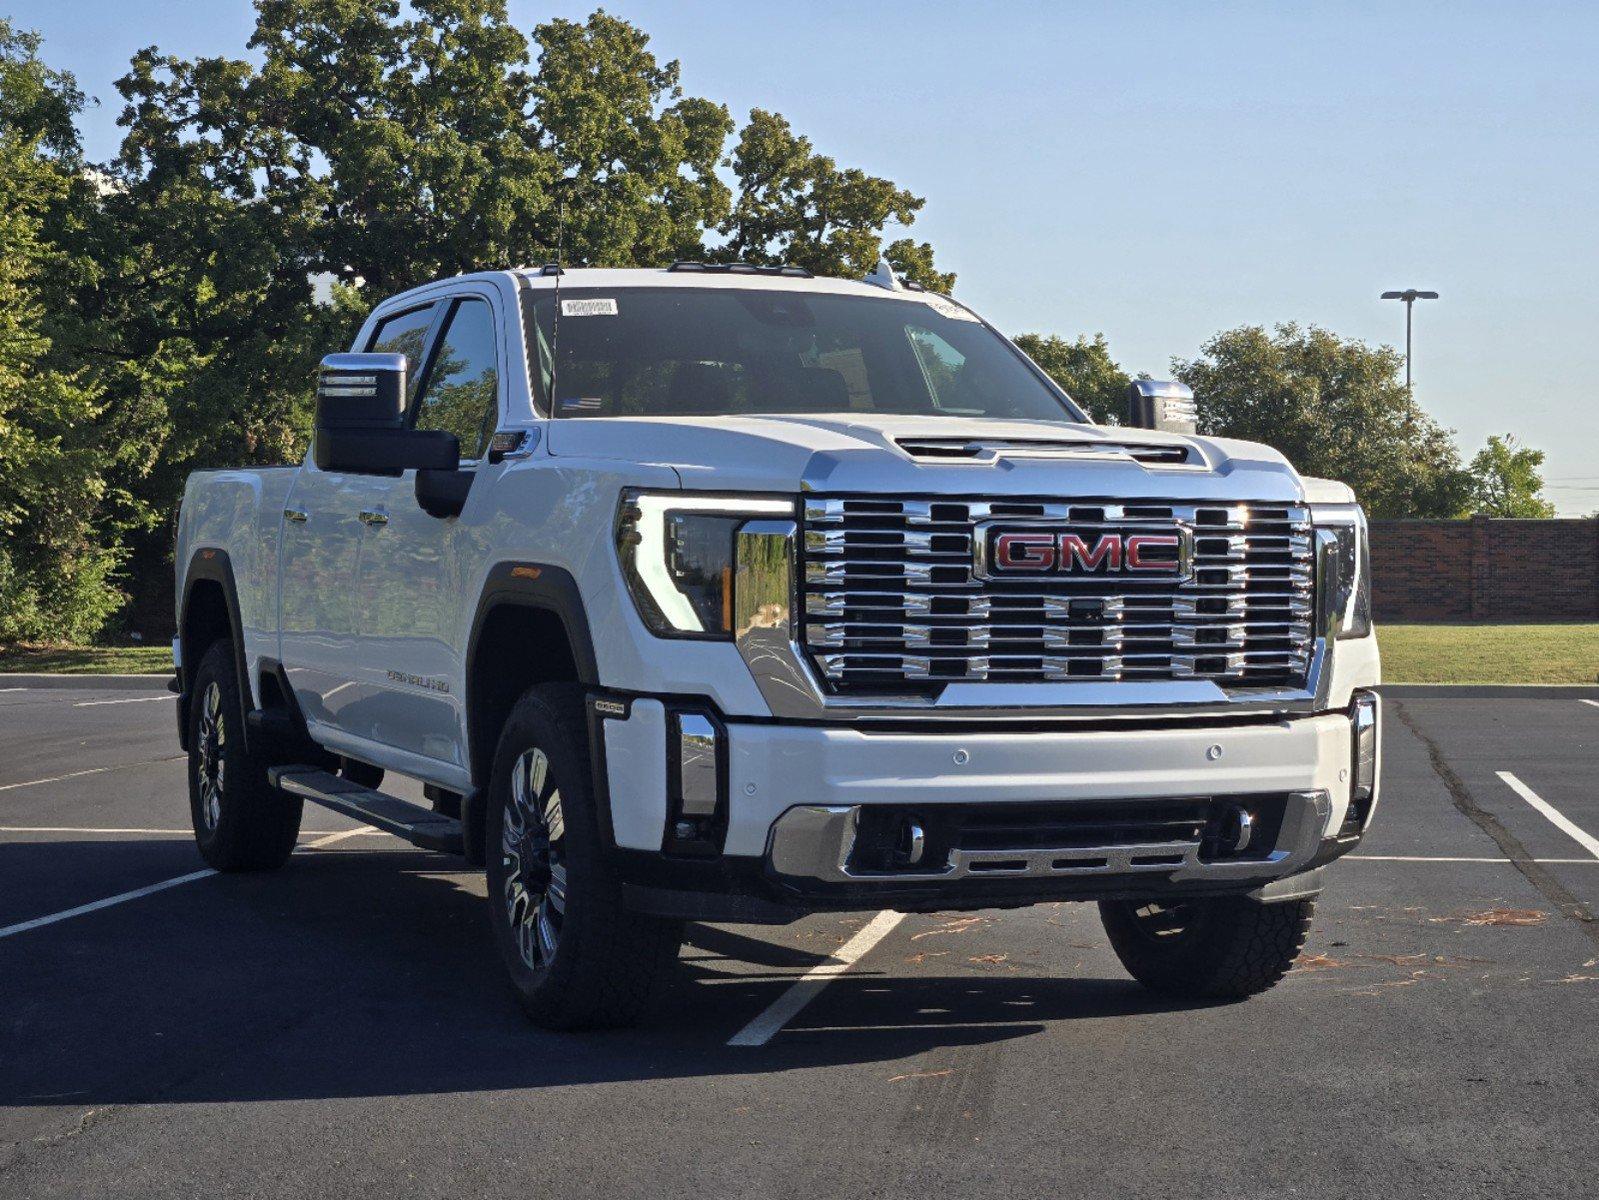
point(1485, 570)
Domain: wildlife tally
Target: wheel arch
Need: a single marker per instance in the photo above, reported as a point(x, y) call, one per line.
point(209, 612)
point(530, 627)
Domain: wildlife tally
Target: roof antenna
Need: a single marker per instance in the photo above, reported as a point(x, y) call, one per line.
point(555, 331)
point(883, 276)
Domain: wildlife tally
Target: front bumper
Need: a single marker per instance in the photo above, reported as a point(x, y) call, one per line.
point(793, 798)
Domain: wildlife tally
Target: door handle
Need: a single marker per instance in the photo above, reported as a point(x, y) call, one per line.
point(296, 515)
point(373, 516)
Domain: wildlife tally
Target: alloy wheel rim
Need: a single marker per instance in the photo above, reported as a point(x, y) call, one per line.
point(212, 738)
point(533, 855)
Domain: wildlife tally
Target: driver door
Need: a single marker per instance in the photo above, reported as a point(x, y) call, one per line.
point(412, 612)
point(319, 551)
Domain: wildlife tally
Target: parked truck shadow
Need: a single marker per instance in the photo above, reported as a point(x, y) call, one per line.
point(371, 973)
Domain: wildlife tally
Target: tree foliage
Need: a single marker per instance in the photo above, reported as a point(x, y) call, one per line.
point(55, 574)
point(797, 206)
point(377, 144)
point(1085, 369)
point(1507, 480)
point(1335, 407)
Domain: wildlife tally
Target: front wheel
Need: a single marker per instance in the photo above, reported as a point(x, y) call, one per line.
point(1221, 948)
point(576, 957)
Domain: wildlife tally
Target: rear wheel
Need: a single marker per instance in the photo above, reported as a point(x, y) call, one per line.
point(241, 822)
point(576, 957)
point(1220, 948)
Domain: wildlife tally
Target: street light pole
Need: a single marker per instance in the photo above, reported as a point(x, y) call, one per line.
point(1409, 296)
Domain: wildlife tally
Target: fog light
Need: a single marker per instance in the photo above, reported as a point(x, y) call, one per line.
point(1363, 768)
point(696, 774)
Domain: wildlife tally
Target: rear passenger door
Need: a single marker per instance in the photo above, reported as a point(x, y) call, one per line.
point(412, 610)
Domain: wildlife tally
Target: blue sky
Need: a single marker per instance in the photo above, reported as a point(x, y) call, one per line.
point(1161, 172)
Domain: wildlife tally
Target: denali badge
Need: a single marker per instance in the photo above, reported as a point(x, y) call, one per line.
point(1160, 553)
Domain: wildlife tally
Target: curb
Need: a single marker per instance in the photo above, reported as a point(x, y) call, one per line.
point(1490, 691)
point(131, 683)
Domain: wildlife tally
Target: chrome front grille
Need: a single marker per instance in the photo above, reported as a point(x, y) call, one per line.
point(891, 597)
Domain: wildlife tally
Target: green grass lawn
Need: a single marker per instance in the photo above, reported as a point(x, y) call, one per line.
point(87, 660)
point(1565, 652)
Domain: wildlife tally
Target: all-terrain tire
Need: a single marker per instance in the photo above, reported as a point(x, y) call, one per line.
point(588, 963)
point(241, 822)
point(1222, 948)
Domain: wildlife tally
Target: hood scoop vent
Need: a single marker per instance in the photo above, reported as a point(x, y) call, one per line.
point(990, 450)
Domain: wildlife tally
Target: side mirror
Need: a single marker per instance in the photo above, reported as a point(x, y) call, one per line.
point(360, 419)
point(1159, 404)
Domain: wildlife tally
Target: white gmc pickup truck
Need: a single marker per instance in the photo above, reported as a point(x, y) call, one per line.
point(725, 593)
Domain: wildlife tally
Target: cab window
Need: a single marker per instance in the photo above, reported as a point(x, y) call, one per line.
point(404, 333)
point(462, 392)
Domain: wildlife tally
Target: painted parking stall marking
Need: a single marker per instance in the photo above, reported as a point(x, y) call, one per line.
point(1557, 818)
point(27, 783)
point(787, 1006)
point(163, 885)
point(130, 700)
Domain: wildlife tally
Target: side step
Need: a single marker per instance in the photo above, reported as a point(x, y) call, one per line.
point(417, 825)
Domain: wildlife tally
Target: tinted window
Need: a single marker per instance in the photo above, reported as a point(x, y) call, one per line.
point(405, 333)
point(703, 352)
point(463, 386)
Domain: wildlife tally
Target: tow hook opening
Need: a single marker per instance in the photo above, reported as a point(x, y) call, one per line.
point(894, 839)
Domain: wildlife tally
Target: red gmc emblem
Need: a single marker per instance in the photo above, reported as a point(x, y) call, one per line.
point(1046, 552)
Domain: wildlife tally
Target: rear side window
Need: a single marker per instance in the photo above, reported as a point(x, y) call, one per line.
point(462, 392)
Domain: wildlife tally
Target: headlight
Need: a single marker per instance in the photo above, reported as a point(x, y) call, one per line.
point(678, 557)
point(1343, 572)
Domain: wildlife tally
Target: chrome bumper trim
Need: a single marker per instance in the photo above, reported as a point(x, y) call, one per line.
point(814, 842)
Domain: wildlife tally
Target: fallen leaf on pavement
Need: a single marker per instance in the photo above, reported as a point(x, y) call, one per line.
point(987, 958)
point(1508, 916)
point(1318, 962)
point(959, 925)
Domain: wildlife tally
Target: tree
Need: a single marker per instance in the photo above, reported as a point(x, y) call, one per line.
point(1085, 369)
point(56, 577)
point(636, 159)
point(1335, 407)
point(799, 207)
point(1506, 480)
point(389, 144)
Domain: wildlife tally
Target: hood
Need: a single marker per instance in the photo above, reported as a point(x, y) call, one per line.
point(853, 453)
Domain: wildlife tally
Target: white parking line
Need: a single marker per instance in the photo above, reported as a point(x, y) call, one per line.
point(133, 700)
point(55, 778)
point(1560, 821)
point(151, 889)
point(148, 762)
point(1595, 703)
point(40, 922)
point(1444, 858)
point(787, 1006)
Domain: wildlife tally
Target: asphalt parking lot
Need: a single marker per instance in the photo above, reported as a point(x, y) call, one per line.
point(340, 1027)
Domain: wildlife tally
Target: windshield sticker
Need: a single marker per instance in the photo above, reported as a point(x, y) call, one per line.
point(582, 404)
point(948, 308)
point(589, 308)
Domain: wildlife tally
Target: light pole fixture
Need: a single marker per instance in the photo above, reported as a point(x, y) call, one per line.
point(1409, 296)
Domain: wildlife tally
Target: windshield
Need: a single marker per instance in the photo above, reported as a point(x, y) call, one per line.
point(655, 352)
